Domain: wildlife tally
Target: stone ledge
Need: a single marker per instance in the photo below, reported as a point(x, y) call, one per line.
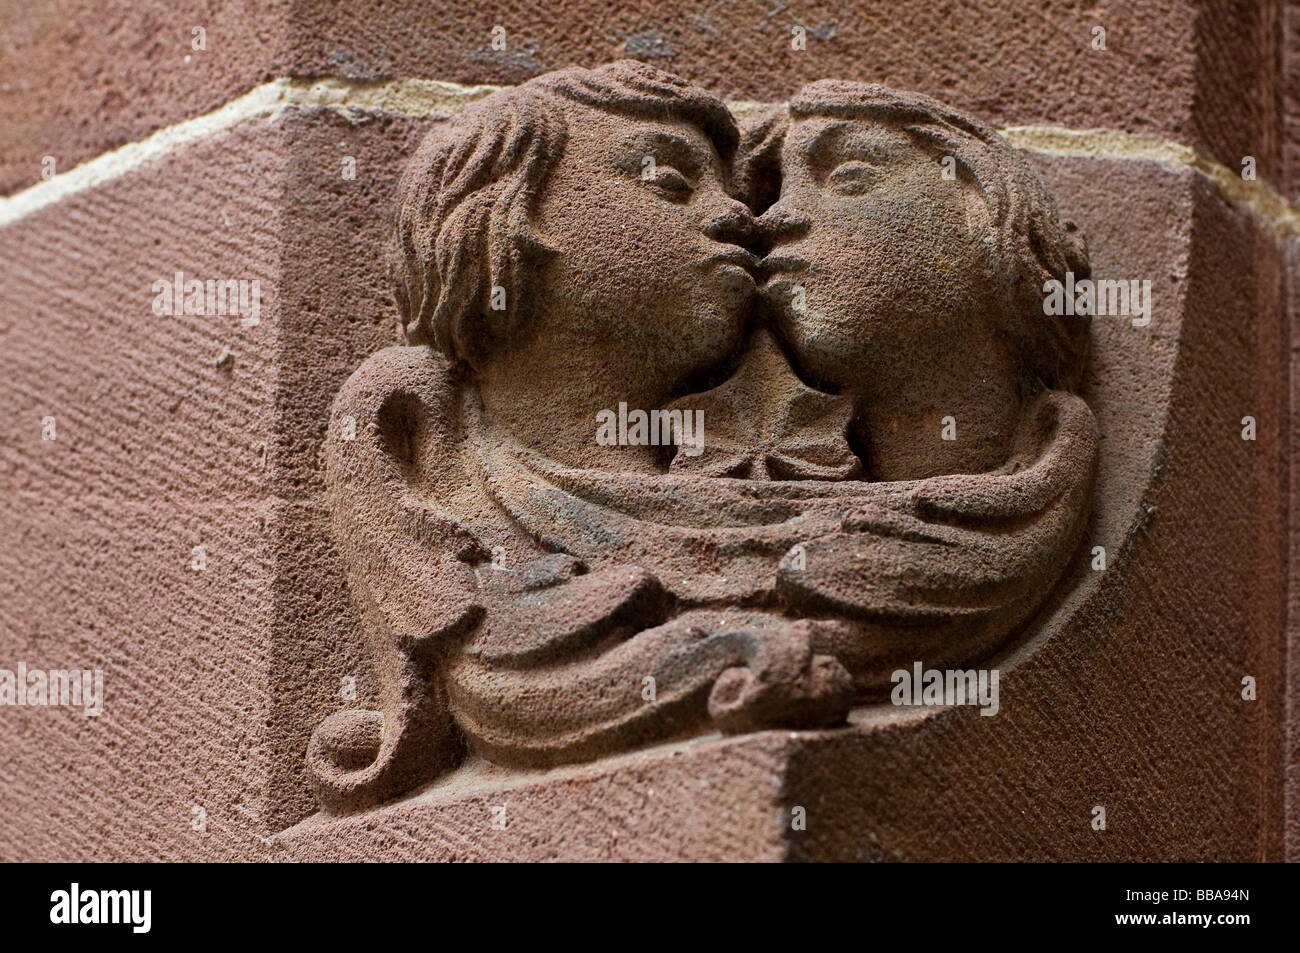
point(706, 799)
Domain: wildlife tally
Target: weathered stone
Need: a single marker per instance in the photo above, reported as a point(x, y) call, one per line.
point(451, 595)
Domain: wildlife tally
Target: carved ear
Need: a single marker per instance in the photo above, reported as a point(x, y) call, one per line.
point(1076, 250)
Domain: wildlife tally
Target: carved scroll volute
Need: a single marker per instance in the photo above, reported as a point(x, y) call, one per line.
point(410, 574)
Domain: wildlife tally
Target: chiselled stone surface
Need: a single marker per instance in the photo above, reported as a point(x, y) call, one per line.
point(531, 610)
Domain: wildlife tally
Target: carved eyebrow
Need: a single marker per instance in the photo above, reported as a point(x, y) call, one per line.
point(828, 134)
point(681, 153)
point(848, 138)
point(876, 146)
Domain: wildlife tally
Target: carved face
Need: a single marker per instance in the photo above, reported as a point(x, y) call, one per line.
point(880, 282)
point(646, 288)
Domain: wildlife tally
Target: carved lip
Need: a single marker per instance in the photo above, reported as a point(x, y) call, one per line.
point(777, 263)
point(732, 256)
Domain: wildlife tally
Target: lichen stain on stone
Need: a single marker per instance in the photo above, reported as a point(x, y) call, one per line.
point(649, 45)
point(825, 31)
point(521, 56)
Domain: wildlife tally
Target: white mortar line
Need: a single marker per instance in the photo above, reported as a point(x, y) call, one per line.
point(408, 97)
point(1255, 194)
point(423, 98)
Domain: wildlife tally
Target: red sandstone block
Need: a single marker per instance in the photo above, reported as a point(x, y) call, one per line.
point(1290, 743)
point(337, 296)
point(316, 663)
point(145, 406)
point(707, 799)
point(89, 582)
point(80, 78)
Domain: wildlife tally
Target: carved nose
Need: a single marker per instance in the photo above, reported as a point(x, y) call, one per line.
point(782, 223)
point(734, 224)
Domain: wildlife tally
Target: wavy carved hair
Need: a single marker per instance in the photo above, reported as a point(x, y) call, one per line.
point(465, 197)
point(1028, 242)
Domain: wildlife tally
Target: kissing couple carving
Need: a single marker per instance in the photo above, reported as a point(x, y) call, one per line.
point(846, 290)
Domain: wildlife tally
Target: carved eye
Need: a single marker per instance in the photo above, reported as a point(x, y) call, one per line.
point(853, 177)
point(671, 183)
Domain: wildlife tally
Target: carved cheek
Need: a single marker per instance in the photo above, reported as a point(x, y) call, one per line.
point(875, 292)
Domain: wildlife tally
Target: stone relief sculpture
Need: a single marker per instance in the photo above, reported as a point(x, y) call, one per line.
point(663, 451)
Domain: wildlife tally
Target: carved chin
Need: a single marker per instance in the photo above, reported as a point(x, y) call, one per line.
point(736, 283)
